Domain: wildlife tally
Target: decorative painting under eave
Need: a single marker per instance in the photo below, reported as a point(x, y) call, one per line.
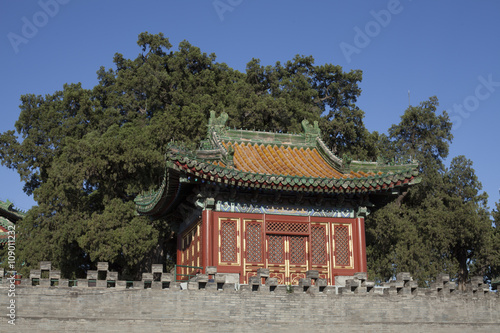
point(236, 207)
point(273, 161)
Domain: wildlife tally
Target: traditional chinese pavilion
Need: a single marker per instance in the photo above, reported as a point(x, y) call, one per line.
point(248, 199)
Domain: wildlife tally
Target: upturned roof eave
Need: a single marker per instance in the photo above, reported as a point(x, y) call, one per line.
point(160, 202)
point(231, 176)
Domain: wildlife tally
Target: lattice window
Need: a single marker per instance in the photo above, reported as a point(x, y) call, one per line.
point(342, 246)
point(287, 227)
point(254, 242)
point(297, 250)
point(228, 247)
point(276, 249)
point(318, 245)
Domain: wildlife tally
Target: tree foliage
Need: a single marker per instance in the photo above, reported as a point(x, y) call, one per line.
point(442, 225)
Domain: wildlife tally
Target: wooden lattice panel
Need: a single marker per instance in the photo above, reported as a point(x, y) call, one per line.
point(228, 238)
point(287, 227)
point(319, 255)
point(342, 239)
point(297, 250)
point(254, 242)
point(276, 249)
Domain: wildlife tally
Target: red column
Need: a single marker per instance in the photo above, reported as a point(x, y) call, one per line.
point(206, 222)
point(178, 261)
point(361, 244)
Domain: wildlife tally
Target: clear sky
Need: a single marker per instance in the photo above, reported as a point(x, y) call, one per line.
point(448, 48)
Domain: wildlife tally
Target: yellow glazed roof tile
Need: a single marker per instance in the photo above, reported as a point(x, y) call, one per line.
point(283, 160)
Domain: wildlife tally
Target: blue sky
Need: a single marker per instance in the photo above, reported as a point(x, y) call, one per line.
point(450, 49)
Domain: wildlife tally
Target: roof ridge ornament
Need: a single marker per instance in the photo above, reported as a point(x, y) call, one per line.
point(311, 131)
point(219, 121)
point(346, 159)
point(230, 156)
point(216, 127)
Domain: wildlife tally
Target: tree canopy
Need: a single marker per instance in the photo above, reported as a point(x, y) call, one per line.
point(85, 154)
point(442, 225)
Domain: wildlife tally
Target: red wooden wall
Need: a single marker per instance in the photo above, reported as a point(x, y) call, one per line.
point(287, 245)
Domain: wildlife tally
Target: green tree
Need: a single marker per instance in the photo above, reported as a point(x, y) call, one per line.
point(469, 228)
point(422, 135)
point(442, 224)
point(496, 214)
point(493, 272)
point(396, 236)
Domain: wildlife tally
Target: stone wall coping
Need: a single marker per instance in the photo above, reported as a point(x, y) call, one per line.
point(271, 287)
point(357, 284)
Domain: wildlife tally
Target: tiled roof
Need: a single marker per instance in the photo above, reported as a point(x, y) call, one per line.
point(282, 160)
point(273, 161)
